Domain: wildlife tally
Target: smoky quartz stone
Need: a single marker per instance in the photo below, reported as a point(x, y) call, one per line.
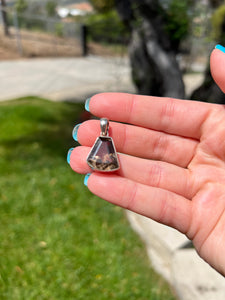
point(103, 156)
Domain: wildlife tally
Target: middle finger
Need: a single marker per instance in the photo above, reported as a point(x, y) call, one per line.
point(141, 142)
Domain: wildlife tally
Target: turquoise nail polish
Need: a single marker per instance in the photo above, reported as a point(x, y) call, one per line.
point(86, 179)
point(69, 154)
point(75, 130)
point(87, 102)
point(221, 48)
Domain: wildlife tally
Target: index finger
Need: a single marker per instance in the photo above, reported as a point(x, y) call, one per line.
point(174, 116)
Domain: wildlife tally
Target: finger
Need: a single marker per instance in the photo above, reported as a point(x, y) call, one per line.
point(147, 172)
point(162, 206)
point(78, 160)
point(178, 117)
point(217, 65)
point(142, 142)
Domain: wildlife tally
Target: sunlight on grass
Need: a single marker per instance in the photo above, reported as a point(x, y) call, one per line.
point(57, 240)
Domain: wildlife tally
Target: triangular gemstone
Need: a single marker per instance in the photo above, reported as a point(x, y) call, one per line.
point(103, 156)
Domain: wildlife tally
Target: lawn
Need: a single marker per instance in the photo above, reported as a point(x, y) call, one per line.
point(57, 240)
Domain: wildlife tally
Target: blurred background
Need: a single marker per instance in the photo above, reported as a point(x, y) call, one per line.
point(57, 240)
point(164, 40)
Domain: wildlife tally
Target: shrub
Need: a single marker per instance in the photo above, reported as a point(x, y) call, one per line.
point(218, 24)
point(103, 5)
point(177, 21)
point(106, 27)
point(59, 29)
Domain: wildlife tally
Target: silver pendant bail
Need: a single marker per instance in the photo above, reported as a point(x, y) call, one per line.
point(104, 124)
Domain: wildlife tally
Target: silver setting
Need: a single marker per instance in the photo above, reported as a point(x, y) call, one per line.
point(104, 124)
point(103, 156)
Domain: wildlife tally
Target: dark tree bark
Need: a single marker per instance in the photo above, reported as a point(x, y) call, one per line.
point(209, 91)
point(4, 17)
point(216, 3)
point(154, 67)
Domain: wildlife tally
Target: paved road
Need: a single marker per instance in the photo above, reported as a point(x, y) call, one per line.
point(64, 78)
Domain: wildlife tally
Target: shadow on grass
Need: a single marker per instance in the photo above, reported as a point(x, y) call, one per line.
point(33, 123)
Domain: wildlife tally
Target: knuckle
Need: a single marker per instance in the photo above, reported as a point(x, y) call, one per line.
point(129, 196)
point(155, 175)
point(167, 113)
point(124, 134)
point(130, 108)
point(163, 214)
point(160, 146)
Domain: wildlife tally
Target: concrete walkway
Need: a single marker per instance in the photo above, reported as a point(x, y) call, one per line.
point(64, 78)
point(172, 255)
point(75, 79)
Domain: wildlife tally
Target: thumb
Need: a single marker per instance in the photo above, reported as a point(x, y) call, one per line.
point(217, 66)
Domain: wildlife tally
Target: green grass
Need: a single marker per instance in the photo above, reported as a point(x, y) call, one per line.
point(57, 240)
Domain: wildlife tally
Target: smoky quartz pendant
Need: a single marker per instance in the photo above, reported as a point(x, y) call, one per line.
point(103, 156)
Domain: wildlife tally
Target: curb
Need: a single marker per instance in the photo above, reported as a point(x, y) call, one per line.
point(173, 257)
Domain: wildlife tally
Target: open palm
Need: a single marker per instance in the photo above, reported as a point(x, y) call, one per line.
point(172, 163)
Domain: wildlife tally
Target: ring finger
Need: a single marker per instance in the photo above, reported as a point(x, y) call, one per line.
point(142, 142)
point(148, 172)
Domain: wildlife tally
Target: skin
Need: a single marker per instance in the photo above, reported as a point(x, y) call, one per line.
point(172, 156)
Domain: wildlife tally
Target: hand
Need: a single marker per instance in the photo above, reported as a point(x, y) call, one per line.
point(172, 162)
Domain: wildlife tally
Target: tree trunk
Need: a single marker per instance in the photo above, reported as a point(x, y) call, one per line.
point(155, 70)
point(4, 18)
point(209, 91)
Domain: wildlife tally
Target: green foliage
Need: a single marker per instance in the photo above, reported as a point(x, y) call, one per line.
point(177, 20)
point(103, 5)
point(59, 29)
point(51, 8)
point(21, 6)
point(31, 24)
point(58, 241)
point(218, 24)
point(106, 27)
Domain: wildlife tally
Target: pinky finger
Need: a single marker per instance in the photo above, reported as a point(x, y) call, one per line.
point(160, 205)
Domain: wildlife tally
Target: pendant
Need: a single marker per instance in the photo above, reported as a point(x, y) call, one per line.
point(103, 156)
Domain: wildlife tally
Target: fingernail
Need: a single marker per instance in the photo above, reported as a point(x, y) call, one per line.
point(86, 179)
point(87, 102)
point(69, 154)
point(221, 48)
point(75, 130)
